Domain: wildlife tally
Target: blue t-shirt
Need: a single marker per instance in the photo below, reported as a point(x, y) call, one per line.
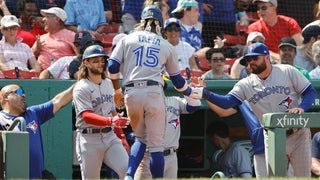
point(193, 37)
point(87, 14)
point(134, 8)
point(222, 11)
point(36, 116)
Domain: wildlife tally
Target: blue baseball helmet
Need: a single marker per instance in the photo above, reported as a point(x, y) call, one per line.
point(94, 51)
point(131, 136)
point(152, 12)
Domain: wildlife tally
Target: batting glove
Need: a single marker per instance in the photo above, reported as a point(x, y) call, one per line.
point(196, 92)
point(120, 122)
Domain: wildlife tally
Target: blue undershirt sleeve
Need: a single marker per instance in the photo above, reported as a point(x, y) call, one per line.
point(226, 101)
point(309, 95)
point(113, 66)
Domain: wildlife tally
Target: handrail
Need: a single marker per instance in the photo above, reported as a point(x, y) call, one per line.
point(16, 121)
point(276, 123)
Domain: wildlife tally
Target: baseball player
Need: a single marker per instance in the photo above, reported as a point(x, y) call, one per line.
point(144, 54)
point(174, 107)
point(95, 118)
point(272, 88)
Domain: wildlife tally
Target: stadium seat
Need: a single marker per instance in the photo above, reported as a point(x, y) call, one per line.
point(191, 73)
point(228, 64)
point(19, 74)
point(112, 28)
point(106, 39)
point(204, 64)
point(235, 39)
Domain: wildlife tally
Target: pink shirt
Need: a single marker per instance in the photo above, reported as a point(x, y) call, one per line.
point(56, 45)
point(285, 27)
point(17, 55)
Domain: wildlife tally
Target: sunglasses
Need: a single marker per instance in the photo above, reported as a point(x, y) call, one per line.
point(257, 41)
point(263, 8)
point(14, 28)
point(173, 28)
point(221, 59)
point(19, 92)
point(252, 58)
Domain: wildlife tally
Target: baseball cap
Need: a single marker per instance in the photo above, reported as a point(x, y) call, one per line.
point(170, 21)
point(253, 35)
point(287, 41)
point(117, 38)
point(60, 13)
point(255, 49)
point(185, 3)
point(9, 20)
point(310, 31)
point(83, 37)
point(274, 2)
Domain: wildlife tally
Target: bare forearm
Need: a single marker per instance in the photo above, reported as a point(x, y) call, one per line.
point(315, 166)
point(116, 84)
point(62, 99)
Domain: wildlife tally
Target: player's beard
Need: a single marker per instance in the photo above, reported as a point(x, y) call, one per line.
point(258, 69)
point(95, 71)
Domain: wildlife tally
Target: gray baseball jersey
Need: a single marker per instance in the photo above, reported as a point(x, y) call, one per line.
point(279, 92)
point(90, 96)
point(144, 56)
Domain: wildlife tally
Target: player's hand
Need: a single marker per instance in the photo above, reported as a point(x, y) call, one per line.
point(118, 99)
point(120, 122)
point(197, 81)
point(295, 110)
point(196, 92)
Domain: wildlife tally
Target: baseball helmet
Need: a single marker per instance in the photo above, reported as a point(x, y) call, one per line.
point(94, 51)
point(131, 136)
point(152, 12)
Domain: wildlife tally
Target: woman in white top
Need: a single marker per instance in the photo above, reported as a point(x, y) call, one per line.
point(14, 53)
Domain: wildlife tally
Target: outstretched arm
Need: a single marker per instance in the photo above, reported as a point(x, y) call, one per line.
point(62, 99)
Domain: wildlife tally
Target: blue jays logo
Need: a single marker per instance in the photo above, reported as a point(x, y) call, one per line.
point(286, 102)
point(175, 123)
point(33, 126)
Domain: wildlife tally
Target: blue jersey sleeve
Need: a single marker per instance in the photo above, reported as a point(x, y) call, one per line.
point(227, 101)
point(42, 112)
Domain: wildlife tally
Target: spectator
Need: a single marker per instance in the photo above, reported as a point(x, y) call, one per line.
point(175, 106)
point(172, 32)
point(30, 24)
point(235, 162)
point(274, 26)
point(315, 160)
point(240, 9)
point(218, 18)
point(85, 15)
point(315, 73)
point(60, 68)
point(258, 59)
point(216, 58)
point(162, 5)
point(237, 68)
point(288, 51)
point(13, 103)
point(14, 53)
point(57, 42)
point(187, 12)
point(131, 14)
point(304, 57)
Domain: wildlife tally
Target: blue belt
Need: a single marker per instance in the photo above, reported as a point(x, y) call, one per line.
point(142, 83)
point(94, 131)
point(167, 152)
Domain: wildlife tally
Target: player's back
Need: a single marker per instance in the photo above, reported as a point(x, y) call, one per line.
point(144, 56)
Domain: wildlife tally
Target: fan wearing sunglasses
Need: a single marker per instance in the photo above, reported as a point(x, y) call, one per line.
point(172, 32)
point(216, 58)
point(13, 103)
point(274, 26)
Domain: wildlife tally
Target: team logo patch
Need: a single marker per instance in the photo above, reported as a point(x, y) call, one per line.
point(286, 102)
point(175, 123)
point(33, 126)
